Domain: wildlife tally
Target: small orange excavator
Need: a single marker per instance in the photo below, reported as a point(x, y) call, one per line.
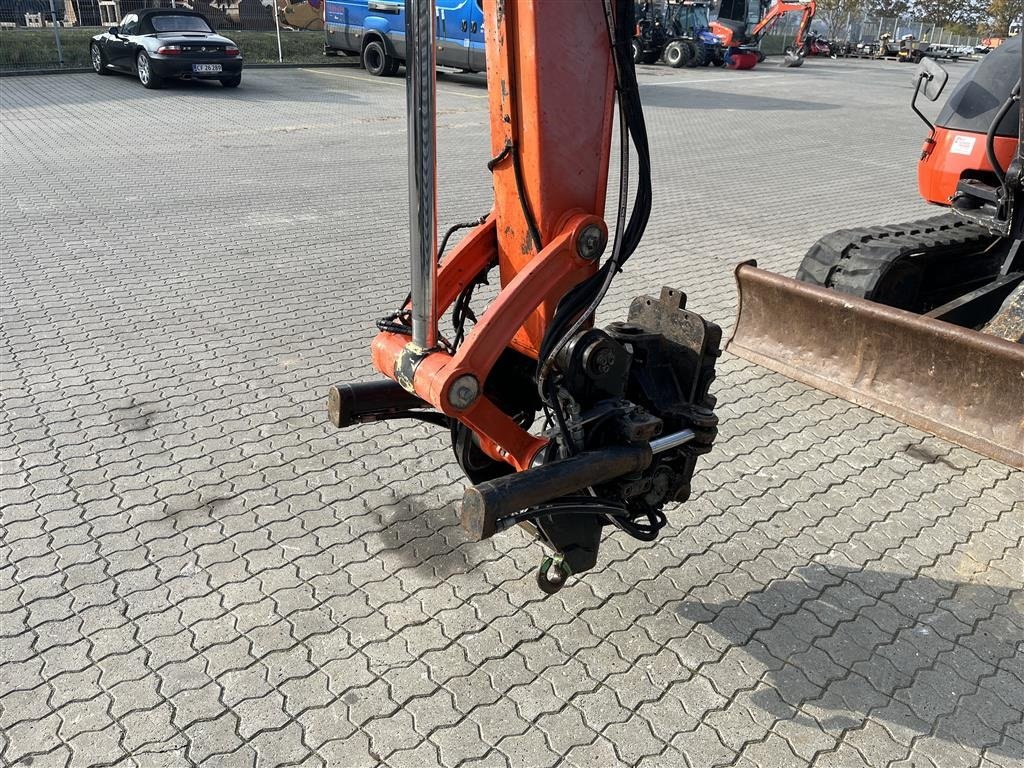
point(741, 24)
point(923, 320)
point(562, 428)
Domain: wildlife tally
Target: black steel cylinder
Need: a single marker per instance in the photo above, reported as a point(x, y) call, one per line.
point(349, 404)
point(485, 504)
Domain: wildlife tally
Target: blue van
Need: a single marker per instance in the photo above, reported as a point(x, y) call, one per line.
point(374, 30)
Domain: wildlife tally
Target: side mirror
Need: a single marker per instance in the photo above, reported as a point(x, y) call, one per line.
point(112, 31)
point(931, 77)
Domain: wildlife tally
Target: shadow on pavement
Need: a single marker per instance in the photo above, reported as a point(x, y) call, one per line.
point(682, 97)
point(923, 655)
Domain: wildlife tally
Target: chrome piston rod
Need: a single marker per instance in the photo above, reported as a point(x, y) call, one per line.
point(668, 442)
point(421, 105)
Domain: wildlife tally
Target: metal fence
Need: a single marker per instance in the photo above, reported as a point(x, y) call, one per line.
point(47, 35)
point(867, 29)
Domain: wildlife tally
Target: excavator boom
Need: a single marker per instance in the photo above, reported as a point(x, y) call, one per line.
point(780, 9)
point(560, 427)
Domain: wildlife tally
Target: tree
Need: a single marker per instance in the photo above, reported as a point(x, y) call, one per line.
point(889, 9)
point(1002, 13)
point(835, 13)
point(964, 13)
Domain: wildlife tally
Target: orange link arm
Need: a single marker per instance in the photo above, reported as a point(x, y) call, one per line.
point(551, 89)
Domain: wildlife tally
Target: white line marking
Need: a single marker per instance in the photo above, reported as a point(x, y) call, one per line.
point(397, 82)
point(710, 80)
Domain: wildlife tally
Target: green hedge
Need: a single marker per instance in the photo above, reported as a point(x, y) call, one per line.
point(34, 49)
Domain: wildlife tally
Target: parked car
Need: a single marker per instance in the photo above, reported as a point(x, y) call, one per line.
point(157, 44)
point(374, 30)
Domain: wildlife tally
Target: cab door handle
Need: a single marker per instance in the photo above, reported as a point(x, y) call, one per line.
point(465, 25)
point(475, 27)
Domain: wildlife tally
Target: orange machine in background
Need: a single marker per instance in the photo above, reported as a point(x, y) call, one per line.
point(742, 24)
point(920, 320)
point(957, 148)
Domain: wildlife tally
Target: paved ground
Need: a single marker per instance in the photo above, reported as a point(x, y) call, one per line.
point(196, 569)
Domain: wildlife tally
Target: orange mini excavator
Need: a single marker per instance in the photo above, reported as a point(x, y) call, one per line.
point(563, 428)
point(741, 24)
point(920, 320)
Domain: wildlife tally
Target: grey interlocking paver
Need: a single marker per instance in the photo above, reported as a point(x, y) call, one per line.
point(213, 737)
point(529, 748)
point(599, 752)
point(392, 733)
point(424, 755)
point(703, 746)
point(634, 740)
point(95, 748)
point(196, 570)
point(459, 742)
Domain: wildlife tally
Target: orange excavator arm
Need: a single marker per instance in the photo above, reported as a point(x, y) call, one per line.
point(780, 9)
point(561, 427)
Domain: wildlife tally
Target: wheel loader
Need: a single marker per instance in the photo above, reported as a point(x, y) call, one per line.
point(922, 320)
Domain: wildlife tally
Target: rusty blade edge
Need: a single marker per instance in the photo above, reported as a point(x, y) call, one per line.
point(762, 342)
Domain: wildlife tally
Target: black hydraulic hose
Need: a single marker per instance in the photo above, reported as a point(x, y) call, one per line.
point(512, 142)
point(455, 228)
point(531, 221)
point(563, 427)
point(511, 150)
point(582, 505)
point(614, 512)
point(649, 532)
point(580, 303)
point(990, 137)
point(401, 321)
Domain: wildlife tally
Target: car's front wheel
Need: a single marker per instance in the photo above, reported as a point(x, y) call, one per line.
point(231, 82)
point(99, 61)
point(144, 69)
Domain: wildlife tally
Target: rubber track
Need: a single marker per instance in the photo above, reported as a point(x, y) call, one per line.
point(853, 261)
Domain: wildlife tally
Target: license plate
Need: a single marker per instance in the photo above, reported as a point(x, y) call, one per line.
point(206, 67)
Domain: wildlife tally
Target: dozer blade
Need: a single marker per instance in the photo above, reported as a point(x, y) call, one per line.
point(965, 386)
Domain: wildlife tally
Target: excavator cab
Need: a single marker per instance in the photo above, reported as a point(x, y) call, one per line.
point(955, 168)
point(736, 17)
point(686, 18)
